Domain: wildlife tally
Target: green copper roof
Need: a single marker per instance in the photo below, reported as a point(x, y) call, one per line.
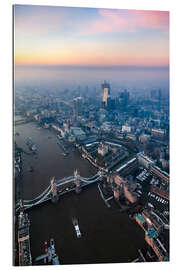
point(152, 233)
point(141, 219)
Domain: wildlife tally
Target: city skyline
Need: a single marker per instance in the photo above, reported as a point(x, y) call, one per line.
point(91, 157)
point(55, 36)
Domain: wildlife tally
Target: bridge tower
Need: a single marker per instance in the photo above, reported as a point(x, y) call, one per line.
point(110, 178)
point(77, 181)
point(21, 205)
point(102, 178)
point(54, 195)
point(100, 175)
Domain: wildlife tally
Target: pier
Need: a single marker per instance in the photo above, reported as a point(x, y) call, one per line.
point(50, 257)
point(25, 258)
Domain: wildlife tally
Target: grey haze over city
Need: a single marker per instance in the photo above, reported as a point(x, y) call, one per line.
point(60, 77)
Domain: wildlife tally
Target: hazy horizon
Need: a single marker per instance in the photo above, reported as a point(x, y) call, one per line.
point(72, 77)
point(66, 47)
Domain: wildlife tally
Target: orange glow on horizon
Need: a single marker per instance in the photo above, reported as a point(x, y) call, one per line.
point(87, 37)
point(96, 60)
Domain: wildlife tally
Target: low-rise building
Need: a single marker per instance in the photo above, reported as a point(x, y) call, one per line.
point(160, 173)
point(144, 160)
point(158, 133)
point(126, 128)
point(144, 138)
point(140, 220)
point(131, 137)
point(78, 133)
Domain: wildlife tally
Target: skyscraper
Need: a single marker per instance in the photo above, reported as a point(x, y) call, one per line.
point(106, 94)
point(77, 106)
point(124, 98)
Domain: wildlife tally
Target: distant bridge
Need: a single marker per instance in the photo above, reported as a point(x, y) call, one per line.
point(56, 189)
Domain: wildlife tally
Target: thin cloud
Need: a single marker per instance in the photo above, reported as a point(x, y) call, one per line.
point(38, 20)
point(127, 21)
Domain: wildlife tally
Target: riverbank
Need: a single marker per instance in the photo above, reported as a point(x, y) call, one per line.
point(107, 234)
point(49, 161)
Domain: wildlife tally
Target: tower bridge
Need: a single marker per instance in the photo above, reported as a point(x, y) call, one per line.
point(57, 189)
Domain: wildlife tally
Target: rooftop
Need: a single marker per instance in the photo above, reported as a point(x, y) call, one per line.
point(152, 233)
point(141, 219)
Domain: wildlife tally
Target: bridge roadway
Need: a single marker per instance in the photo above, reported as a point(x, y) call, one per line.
point(46, 194)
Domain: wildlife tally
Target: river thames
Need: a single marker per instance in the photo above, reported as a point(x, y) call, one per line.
point(107, 235)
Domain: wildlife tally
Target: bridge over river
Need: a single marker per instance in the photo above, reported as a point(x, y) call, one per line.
point(57, 188)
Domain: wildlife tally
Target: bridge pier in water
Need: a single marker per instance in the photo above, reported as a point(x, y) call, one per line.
point(54, 195)
point(77, 182)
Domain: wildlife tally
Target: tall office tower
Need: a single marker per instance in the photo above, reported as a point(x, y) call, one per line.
point(153, 94)
point(124, 97)
point(77, 106)
point(106, 94)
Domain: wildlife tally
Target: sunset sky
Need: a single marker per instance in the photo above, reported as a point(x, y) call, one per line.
point(90, 37)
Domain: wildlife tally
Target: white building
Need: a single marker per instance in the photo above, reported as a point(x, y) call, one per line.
point(144, 160)
point(126, 128)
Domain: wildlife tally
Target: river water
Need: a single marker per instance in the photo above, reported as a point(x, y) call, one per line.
point(107, 234)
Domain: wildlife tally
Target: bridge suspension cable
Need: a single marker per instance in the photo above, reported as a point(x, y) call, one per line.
point(89, 181)
point(27, 205)
point(38, 197)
